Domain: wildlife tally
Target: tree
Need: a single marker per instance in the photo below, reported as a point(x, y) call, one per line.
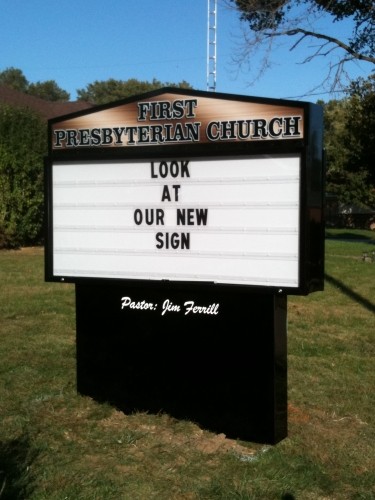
point(48, 90)
point(22, 149)
point(14, 78)
point(349, 143)
point(360, 136)
point(335, 123)
point(101, 92)
point(273, 21)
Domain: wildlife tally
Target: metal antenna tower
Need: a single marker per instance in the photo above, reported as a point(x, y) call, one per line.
point(211, 44)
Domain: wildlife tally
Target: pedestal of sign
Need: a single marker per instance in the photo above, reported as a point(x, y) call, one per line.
point(216, 358)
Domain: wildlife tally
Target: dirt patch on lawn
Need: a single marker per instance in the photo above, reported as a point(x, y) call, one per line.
point(165, 430)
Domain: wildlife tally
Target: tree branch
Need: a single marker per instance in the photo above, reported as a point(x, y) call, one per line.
point(327, 38)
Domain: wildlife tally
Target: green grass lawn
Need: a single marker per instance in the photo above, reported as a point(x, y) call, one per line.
point(55, 444)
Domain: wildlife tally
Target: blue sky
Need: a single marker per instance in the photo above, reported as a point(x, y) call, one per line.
point(76, 42)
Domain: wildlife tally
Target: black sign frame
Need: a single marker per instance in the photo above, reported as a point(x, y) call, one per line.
point(311, 213)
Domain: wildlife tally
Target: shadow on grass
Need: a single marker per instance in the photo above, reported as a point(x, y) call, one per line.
point(16, 457)
point(350, 236)
point(367, 304)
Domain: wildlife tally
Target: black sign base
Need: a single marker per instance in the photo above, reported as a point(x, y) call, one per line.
point(218, 359)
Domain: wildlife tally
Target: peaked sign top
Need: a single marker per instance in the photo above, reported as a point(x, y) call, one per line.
point(172, 116)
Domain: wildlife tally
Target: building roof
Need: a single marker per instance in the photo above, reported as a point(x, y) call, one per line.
point(47, 109)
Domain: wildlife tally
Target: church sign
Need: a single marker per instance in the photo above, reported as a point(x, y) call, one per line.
point(185, 219)
point(188, 187)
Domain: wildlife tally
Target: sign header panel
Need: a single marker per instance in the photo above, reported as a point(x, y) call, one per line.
point(170, 119)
